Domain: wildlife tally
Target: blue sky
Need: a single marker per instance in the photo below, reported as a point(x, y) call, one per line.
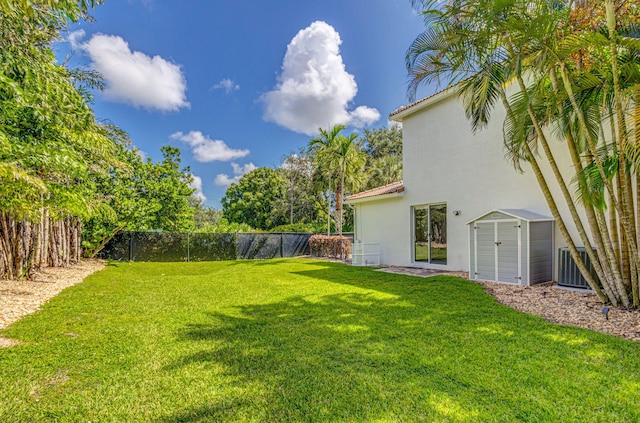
point(240, 84)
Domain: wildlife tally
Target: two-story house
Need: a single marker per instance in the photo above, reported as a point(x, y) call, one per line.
point(461, 205)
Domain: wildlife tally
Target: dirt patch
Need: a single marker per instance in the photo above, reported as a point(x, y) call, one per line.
point(19, 298)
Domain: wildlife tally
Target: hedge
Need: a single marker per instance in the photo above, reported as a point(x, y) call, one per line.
point(330, 246)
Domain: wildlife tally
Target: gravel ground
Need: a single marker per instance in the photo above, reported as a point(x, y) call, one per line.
point(556, 305)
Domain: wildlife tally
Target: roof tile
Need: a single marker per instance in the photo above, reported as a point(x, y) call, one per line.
point(391, 188)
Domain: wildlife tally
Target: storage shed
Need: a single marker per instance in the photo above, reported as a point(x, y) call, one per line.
point(512, 246)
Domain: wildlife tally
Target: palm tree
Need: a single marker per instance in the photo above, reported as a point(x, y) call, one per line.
point(572, 71)
point(384, 170)
point(325, 171)
point(341, 159)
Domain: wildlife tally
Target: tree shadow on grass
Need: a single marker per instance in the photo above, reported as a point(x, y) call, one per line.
point(330, 359)
point(398, 349)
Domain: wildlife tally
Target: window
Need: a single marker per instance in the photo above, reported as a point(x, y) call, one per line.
point(430, 233)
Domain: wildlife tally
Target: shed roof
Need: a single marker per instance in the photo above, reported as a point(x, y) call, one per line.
point(392, 188)
point(521, 214)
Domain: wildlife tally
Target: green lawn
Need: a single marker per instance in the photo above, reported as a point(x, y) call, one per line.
point(438, 254)
point(304, 341)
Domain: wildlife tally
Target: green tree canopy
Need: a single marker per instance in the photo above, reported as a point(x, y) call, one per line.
point(204, 217)
point(253, 199)
point(142, 196)
point(383, 142)
point(303, 203)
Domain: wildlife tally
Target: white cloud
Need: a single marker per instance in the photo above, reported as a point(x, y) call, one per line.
point(314, 89)
point(197, 185)
point(204, 149)
point(227, 85)
point(75, 38)
point(363, 116)
point(239, 171)
point(132, 77)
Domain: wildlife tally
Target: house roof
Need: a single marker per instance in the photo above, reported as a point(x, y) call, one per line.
point(398, 115)
point(395, 188)
point(521, 214)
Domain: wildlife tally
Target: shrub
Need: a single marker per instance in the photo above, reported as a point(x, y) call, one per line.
point(299, 228)
point(330, 246)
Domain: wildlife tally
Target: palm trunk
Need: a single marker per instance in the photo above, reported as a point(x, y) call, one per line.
point(339, 209)
point(604, 243)
point(624, 218)
point(562, 226)
point(555, 212)
point(565, 192)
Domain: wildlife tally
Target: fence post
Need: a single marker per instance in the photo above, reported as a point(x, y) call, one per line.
point(281, 245)
point(130, 246)
point(235, 238)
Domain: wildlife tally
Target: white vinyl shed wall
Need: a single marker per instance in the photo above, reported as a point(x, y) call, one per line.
point(511, 246)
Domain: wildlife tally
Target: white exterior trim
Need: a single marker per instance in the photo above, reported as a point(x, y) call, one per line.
point(374, 198)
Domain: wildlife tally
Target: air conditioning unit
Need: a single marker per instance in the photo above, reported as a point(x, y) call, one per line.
point(568, 273)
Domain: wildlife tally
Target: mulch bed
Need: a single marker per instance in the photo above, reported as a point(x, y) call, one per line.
point(555, 304)
point(565, 307)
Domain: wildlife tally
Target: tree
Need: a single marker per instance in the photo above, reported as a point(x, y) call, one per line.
point(52, 145)
point(383, 171)
point(573, 70)
point(168, 184)
point(340, 162)
point(304, 203)
point(383, 147)
point(383, 142)
point(68, 9)
point(142, 196)
point(252, 200)
point(204, 217)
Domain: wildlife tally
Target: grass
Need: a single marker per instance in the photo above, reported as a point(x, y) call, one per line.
point(438, 254)
point(295, 340)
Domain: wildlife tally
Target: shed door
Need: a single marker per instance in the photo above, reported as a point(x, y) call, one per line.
point(497, 251)
point(485, 251)
point(507, 248)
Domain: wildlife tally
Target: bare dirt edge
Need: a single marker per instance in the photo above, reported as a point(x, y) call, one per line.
point(20, 298)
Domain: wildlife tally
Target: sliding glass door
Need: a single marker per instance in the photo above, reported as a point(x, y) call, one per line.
point(430, 233)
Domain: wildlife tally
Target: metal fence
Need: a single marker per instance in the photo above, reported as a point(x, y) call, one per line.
point(168, 246)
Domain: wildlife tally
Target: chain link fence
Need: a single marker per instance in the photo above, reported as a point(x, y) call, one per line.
point(168, 246)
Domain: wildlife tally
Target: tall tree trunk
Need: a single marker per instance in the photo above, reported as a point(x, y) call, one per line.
point(555, 212)
point(339, 210)
point(624, 218)
point(564, 189)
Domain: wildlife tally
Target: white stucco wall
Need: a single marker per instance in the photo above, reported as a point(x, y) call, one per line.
point(445, 162)
point(385, 222)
